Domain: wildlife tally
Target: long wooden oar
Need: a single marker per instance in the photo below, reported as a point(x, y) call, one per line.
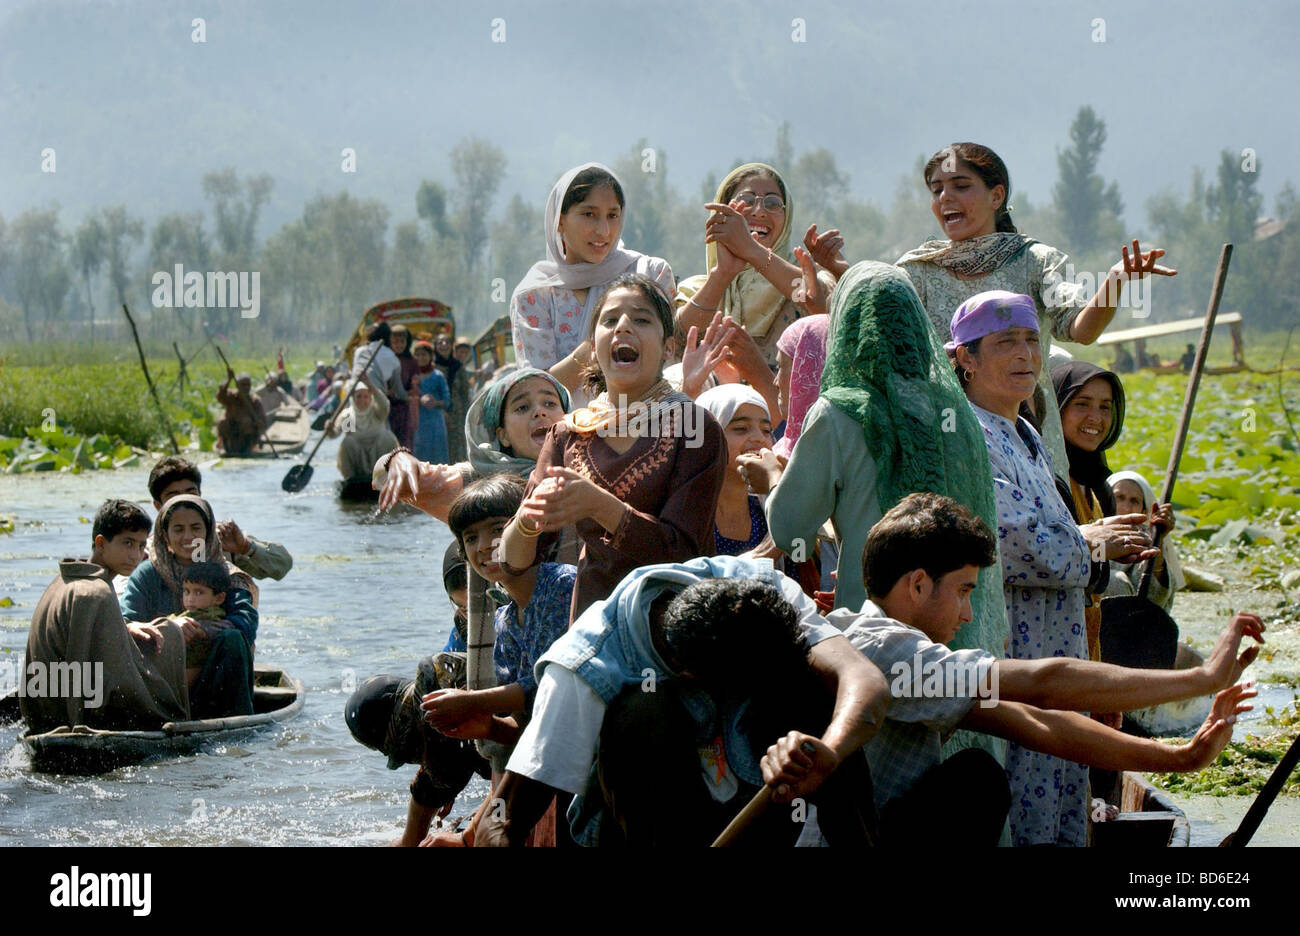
point(171, 434)
point(753, 809)
point(299, 475)
point(1255, 815)
point(1135, 631)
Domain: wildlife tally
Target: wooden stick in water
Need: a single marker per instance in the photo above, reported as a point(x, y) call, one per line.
point(171, 434)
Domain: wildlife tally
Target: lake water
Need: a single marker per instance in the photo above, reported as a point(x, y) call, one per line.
point(365, 596)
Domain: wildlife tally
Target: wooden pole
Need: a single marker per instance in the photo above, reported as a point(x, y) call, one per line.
point(171, 434)
point(1189, 401)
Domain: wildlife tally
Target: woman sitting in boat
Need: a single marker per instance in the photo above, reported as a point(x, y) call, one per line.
point(639, 471)
point(430, 388)
point(970, 192)
point(184, 533)
point(747, 274)
point(366, 436)
point(1045, 556)
point(551, 308)
point(1133, 495)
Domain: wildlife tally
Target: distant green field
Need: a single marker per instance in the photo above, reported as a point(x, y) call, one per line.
point(92, 412)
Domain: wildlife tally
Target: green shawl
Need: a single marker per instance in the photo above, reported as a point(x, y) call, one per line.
point(887, 370)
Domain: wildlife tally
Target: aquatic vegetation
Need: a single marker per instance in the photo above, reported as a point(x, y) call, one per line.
point(1241, 770)
point(1237, 496)
point(79, 417)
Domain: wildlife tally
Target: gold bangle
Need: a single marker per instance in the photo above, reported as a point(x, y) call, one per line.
point(524, 531)
point(769, 260)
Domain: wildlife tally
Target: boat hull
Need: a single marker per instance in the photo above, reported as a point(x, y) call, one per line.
point(84, 750)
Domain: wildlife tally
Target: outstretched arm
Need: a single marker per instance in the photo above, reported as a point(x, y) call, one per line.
point(1075, 737)
point(1080, 685)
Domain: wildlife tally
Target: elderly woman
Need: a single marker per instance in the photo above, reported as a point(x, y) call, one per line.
point(1046, 557)
point(366, 436)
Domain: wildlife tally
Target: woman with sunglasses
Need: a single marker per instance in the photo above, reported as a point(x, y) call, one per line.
point(749, 277)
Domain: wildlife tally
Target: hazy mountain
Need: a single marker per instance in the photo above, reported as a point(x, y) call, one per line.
point(136, 111)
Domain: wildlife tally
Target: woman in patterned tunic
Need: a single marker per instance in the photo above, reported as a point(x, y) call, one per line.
point(639, 471)
point(1046, 561)
point(970, 191)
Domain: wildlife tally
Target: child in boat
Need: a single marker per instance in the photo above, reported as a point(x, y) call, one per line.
point(536, 614)
point(140, 682)
point(639, 471)
point(203, 593)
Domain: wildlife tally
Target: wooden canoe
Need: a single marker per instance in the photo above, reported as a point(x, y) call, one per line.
point(1147, 819)
point(84, 750)
point(288, 428)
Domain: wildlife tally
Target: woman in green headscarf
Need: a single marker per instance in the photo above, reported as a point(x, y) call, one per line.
point(891, 420)
point(748, 274)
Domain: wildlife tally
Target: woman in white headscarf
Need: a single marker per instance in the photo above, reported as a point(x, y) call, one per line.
point(1134, 495)
point(551, 306)
point(739, 523)
point(366, 435)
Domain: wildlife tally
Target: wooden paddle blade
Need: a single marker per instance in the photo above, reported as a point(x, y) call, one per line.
point(1137, 632)
point(297, 478)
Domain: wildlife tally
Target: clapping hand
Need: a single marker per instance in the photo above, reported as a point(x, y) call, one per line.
point(808, 292)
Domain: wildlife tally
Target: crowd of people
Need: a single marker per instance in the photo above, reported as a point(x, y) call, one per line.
point(837, 531)
point(717, 516)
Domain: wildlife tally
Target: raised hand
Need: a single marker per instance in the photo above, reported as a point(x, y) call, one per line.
point(701, 357)
point(1216, 731)
point(809, 292)
point(1223, 666)
point(727, 227)
point(1141, 264)
point(826, 249)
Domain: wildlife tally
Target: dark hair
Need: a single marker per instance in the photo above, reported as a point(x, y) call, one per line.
point(115, 517)
point(974, 348)
point(924, 531)
point(586, 182)
point(215, 575)
point(734, 185)
point(381, 332)
point(497, 495)
point(732, 633)
point(168, 471)
point(592, 377)
point(403, 330)
point(986, 164)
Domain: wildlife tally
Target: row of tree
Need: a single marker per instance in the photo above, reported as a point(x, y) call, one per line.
point(319, 271)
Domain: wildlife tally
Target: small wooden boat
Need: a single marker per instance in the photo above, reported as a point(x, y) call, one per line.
point(85, 750)
point(1147, 819)
point(288, 425)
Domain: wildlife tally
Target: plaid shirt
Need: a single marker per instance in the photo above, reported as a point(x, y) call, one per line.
point(910, 742)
